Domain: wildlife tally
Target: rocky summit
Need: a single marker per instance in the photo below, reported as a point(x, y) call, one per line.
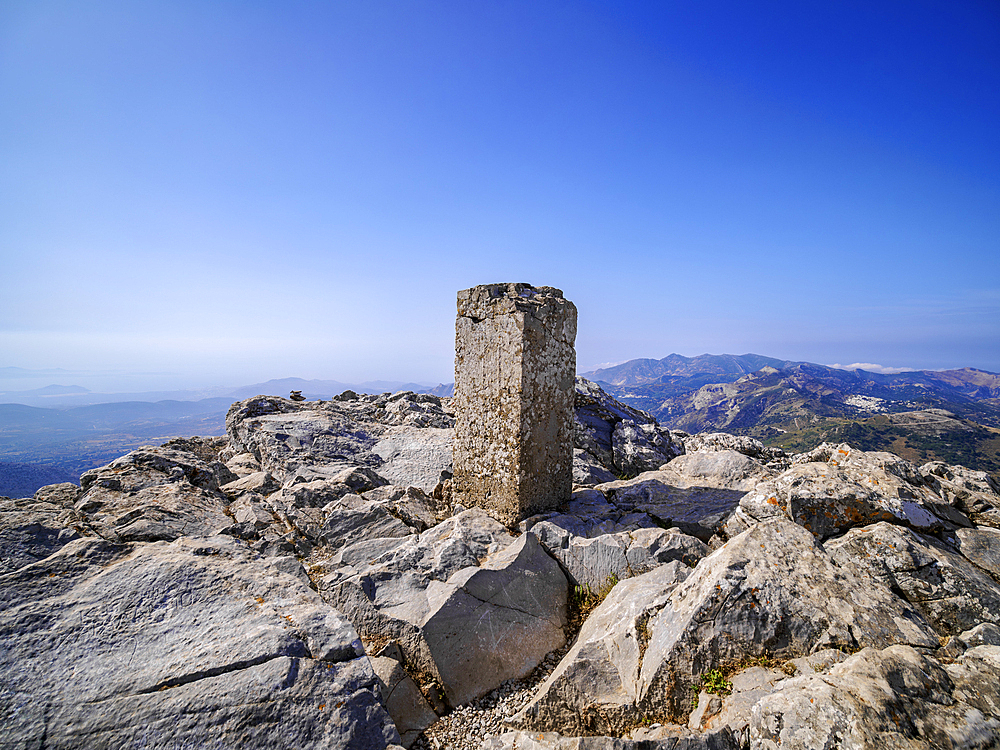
point(311, 581)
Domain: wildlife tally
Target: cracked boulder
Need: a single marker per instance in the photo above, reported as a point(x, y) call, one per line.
point(771, 591)
point(155, 494)
point(944, 586)
point(637, 447)
point(31, 529)
point(596, 416)
point(402, 699)
point(835, 488)
point(595, 688)
point(894, 697)
point(469, 605)
point(192, 643)
point(981, 546)
point(974, 493)
point(594, 540)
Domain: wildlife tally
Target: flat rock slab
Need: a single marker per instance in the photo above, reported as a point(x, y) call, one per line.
point(31, 530)
point(189, 643)
point(155, 494)
point(944, 586)
point(696, 507)
point(894, 698)
point(414, 456)
point(407, 434)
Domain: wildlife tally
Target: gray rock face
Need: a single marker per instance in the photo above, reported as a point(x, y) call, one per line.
point(414, 456)
point(770, 591)
point(32, 529)
point(695, 492)
point(188, 643)
point(468, 603)
point(981, 546)
point(595, 689)
point(155, 493)
point(401, 697)
point(514, 367)
point(893, 697)
point(662, 738)
point(311, 440)
point(595, 540)
point(641, 447)
point(974, 493)
point(952, 594)
point(707, 442)
point(835, 488)
point(616, 436)
point(587, 470)
point(496, 622)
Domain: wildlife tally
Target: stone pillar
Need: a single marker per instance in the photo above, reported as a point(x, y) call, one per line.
point(515, 368)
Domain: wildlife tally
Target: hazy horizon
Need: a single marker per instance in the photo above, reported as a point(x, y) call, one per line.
point(106, 381)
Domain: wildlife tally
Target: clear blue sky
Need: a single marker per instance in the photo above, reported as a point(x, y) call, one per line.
point(233, 191)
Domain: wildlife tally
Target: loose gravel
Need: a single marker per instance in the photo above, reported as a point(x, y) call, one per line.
point(468, 726)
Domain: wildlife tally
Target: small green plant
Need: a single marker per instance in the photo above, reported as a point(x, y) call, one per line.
point(715, 682)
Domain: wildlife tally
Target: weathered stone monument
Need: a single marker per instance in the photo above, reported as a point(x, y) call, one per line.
point(515, 365)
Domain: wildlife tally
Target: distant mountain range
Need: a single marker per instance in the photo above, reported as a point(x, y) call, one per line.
point(952, 415)
point(923, 415)
point(675, 368)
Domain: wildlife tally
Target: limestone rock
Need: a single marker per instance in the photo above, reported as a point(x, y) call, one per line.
point(733, 711)
point(401, 697)
point(414, 456)
point(63, 495)
point(723, 441)
point(155, 493)
point(981, 546)
point(661, 738)
point(496, 622)
point(893, 697)
point(192, 642)
point(595, 689)
point(770, 591)
point(939, 582)
point(595, 540)
point(260, 482)
point(302, 442)
point(597, 414)
point(587, 470)
point(242, 464)
point(32, 529)
point(974, 493)
point(467, 603)
point(641, 447)
point(351, 519)
point(696, 495)
point(835, 488)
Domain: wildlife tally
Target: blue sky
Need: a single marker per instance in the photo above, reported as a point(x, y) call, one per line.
point(234, 191)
